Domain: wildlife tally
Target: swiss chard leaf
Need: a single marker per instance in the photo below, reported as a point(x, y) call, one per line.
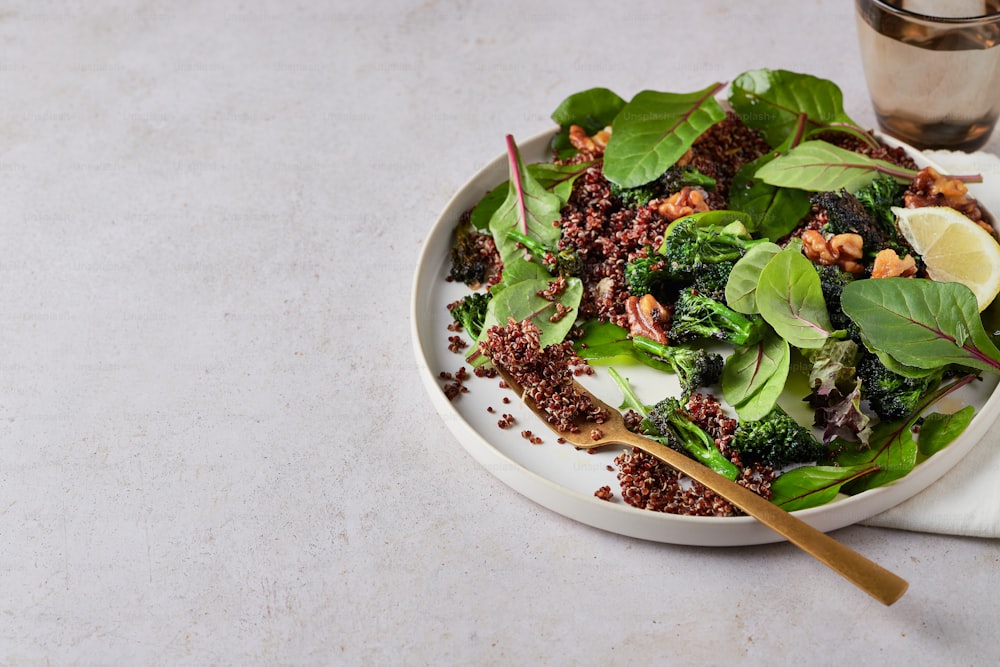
point(529, 208)
point(790, 299)
point(811, 486)
point(654, 130)
point(818, 166)
point(773, 101)
point(559, 178)
point(741, 288)
point(921, 323)
point(754, 376)
point(556, 178)
point(891, 447)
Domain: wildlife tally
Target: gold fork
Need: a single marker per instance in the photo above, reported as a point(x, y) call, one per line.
point(880, 583)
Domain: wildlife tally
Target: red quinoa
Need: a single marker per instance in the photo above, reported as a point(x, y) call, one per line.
point(545, 374)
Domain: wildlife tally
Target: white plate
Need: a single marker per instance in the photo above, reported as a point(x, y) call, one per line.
point(563, 479)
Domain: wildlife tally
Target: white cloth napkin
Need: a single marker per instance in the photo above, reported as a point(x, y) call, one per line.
point(966, 500)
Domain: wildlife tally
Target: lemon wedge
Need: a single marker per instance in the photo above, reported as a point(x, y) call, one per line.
point(955, 249)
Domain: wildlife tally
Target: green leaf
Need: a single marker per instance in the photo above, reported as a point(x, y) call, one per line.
point(773, 100)
point(606, 342)
point(937, 431)
point(488, 205)
point(818, 166)
point(654, 130)
point(754, 376)
point(773, 211)
point(556, 178)
point(716, 218)
point(891, 447)
point(592, 109)
point(528, 208)
point(811, 486)
point(741, 289)
point(521, 302)
point(921, 323)
point(790, 299)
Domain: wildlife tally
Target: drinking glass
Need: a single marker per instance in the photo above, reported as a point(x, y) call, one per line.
point(933, 69)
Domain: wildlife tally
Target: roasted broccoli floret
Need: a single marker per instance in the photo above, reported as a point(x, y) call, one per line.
point(470, 312)
point(712, 278)
point(699, 316)
point(648, 275)
point(890, 395)
point(776, 440)
point(694, 367)
point(878, 198)
point(832, 280)
point(677, 178)
point(688, 246)
point(673, 180)
point(474, 257)
point(564, 262)
point(668, 420)
point(847, 215)
point(638, 196)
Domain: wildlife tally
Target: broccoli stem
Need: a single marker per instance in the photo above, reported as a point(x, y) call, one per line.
point(682, 434)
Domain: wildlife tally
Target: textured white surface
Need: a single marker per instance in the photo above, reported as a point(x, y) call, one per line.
point(213, 446)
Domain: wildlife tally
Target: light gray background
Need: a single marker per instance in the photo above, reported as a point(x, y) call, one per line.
point(214, 448)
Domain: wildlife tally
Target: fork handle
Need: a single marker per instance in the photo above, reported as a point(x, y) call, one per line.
point(880, 583)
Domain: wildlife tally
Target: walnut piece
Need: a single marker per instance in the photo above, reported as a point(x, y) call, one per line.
point(889, 265)
point(684, 202)
point(647, 318)
point(929, 188)
point(593, 146)
point(841, 250)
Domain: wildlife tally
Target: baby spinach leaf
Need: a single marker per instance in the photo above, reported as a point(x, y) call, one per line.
point(811, 486)
point(529, 208)
point(773, 211)
point(592, 109)
point(773, 101)
point(937, 431)
point(818, 166)
point(741, 288)
point(654, 130)
point(790, 299)
point(921, 323)
point(754, 376)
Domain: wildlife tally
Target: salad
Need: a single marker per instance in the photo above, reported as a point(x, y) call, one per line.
point(740, 250)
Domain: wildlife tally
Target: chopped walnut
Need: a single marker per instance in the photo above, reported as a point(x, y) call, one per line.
point(594, 145)
point(684, 202)
point(929, 188)
point(889, 265)
point(647, 318)
point(842, 250)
